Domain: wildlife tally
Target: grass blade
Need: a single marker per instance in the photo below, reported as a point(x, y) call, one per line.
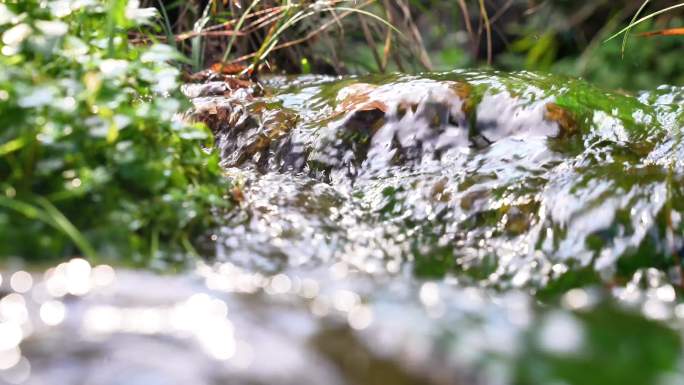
point(170, 38)
point(626, 36)
point(196, 42)
point(647, 17)
point(62, 223)
point(50, 215)
point(272, 38)
point(488, 30)
point(237, 28)
point(374, 16)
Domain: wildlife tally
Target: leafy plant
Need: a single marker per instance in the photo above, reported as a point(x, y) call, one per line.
point(92, 160)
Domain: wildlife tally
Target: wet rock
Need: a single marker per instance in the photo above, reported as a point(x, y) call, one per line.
point(511, 168)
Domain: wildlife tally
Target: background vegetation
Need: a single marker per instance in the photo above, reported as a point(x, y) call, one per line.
point(561, 36)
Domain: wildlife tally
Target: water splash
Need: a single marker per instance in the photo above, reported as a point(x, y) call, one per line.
point(513, 179)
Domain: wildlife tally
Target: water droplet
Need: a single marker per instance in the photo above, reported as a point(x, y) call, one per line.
point(52, 313)
point(21, 282)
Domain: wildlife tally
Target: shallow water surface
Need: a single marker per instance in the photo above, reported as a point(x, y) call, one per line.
point(459, 228)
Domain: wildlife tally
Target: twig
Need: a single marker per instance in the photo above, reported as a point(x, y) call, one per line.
point(371, 44)
point(488, 29)
point(466, 18)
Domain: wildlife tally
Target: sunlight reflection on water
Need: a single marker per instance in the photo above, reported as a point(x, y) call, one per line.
point(218, 319)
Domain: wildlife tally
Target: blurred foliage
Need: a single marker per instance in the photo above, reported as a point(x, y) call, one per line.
point(330, 36)
point(564, 37)
point(580, 50)
point(559, 36)
point(91, 159)
point(606, 345)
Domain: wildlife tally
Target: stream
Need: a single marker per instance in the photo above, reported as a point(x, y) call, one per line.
point(456, 228)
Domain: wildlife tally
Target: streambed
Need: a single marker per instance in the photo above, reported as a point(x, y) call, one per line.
point(458, 228)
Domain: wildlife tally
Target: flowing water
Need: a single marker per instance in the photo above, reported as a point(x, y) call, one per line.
point(459, 228)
